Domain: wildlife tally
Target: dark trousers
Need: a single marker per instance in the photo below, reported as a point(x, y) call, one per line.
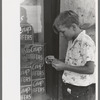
point(71, 92)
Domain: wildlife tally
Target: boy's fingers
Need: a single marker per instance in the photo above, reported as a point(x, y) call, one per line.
point(50, 57)
point(53, 65)
point(55, 61)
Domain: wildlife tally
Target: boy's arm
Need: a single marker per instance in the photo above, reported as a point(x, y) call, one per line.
point(88, 68)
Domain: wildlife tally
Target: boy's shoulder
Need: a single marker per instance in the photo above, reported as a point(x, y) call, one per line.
point(85, 38)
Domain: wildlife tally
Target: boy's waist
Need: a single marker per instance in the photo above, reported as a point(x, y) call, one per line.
point(78, 90)
point(78, 79)
point(81, 87)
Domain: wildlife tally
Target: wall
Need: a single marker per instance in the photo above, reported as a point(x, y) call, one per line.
point(84, 8)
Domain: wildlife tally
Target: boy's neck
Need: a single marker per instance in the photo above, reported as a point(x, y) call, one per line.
point(76, 35)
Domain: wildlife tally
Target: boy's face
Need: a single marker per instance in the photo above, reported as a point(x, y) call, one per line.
point(68, 33)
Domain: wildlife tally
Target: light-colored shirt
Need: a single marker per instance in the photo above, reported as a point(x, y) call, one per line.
point(78, 53)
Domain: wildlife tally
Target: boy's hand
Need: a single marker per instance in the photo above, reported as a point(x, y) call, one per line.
point(58, 65)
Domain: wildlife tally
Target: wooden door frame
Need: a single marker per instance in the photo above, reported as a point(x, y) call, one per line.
point(51, 10)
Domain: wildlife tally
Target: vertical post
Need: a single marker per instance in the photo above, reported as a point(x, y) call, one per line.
point(51, 10)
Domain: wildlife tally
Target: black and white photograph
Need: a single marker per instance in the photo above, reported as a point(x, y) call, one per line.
point(55, 50)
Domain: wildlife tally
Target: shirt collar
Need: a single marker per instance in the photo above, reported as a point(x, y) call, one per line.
point(78, 37)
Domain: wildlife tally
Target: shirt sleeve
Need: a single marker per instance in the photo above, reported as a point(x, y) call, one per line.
point(88, 51)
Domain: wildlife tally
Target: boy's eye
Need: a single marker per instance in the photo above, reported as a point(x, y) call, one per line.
point(62, 32)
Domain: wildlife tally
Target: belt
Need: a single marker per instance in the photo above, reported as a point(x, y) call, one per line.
point(78, 90)
point(70, 85)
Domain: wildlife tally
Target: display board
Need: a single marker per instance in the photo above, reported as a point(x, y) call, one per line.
point(32, 73)
point(32, 70)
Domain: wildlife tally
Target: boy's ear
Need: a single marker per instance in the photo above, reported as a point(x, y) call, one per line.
point(74, 26)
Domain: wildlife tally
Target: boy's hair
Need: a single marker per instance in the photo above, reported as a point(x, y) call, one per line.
point(66, 18)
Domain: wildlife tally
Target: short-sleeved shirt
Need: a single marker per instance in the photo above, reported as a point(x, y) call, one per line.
point(81, 50)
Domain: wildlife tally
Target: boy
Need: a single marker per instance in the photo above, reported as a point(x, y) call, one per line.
point(79, 66)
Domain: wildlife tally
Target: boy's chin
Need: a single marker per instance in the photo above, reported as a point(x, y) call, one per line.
point(68, 39)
